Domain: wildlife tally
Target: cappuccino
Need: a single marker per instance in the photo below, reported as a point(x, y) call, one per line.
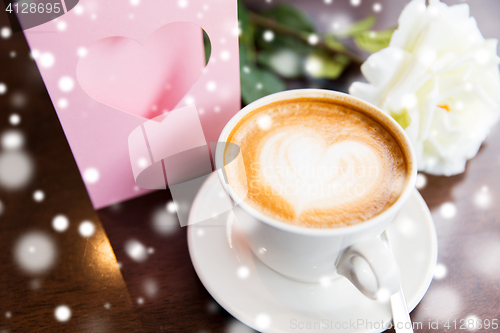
point(315, 162)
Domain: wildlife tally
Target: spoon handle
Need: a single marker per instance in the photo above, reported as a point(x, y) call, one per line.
point(400, 315)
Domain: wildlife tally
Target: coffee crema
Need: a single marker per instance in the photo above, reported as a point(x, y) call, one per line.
point(316, 163)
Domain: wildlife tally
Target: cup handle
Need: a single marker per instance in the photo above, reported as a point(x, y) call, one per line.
point(371, 267)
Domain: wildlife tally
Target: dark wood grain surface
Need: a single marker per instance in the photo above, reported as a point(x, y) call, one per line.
point(108, 291)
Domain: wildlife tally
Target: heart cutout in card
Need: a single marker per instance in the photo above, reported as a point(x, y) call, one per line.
point(146, 80)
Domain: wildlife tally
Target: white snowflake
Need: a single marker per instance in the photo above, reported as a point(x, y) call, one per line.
point(47, 60)
point(86, 229)
point(91, 175)
point(66, 84)
point(62, 313)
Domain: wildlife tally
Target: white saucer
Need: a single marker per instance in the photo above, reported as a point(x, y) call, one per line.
point(266, 301)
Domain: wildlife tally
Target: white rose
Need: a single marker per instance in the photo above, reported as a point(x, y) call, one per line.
point(439, 79)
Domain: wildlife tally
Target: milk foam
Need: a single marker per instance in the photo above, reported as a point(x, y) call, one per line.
point(317, 164)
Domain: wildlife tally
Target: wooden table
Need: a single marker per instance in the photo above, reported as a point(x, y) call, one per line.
point(107, 291)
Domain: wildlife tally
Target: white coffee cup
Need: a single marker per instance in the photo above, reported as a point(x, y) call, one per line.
point(311, 254)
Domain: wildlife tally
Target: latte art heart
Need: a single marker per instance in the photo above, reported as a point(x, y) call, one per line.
point(309, 174)
point(316, 164)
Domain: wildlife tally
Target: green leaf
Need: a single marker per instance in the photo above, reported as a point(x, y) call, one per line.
point(281, 41)
point(322, 65)
point(291, 16)
point(246, 26)
point(264, 57)
point(207, 45)
point(244, 54)
point(373, 41)
point(334, 44)
point(360, 26)
point(257, 83)
point(403, 118)
point(247, 55)
point(283, 62)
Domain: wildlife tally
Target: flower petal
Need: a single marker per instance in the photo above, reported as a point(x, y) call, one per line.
point(441, 76)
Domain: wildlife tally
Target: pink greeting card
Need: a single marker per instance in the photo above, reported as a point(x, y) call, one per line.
point(110, 66)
